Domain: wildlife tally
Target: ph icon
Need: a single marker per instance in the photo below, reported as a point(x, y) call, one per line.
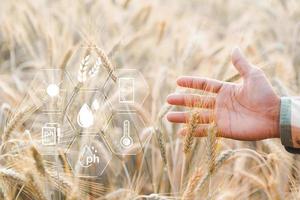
point(88, 156)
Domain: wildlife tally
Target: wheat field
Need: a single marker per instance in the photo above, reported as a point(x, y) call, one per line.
point(82, 49)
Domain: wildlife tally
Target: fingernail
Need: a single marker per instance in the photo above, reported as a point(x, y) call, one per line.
point(179, 79)
point(170, 96)
point(237, 52)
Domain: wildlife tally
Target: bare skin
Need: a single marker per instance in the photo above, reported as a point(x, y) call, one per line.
point(246, 111)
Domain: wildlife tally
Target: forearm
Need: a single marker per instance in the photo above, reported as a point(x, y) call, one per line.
point(290, 123)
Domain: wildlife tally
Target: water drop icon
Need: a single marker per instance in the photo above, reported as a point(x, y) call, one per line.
point(95, 105)
point(86, 153)
point(85, 117)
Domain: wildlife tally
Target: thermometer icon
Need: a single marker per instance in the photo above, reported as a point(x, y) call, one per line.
point(126, 141)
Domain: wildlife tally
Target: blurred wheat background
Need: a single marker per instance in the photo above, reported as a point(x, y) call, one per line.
point(162, 39)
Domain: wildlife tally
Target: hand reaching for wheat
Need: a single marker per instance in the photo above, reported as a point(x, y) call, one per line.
point(245, 111)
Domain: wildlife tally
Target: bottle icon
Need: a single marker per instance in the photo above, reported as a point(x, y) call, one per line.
point(85, 117)
point(126, 140)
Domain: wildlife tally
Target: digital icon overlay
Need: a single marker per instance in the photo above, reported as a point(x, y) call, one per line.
point(52, 90)
point(88, 156)
point(130, 89)
point(49, 91)
point(50, 134)
point(92, 111)
point(126, 140)
point(126, 90)
point(85, 117)
point(124, 133)
point(95, 105)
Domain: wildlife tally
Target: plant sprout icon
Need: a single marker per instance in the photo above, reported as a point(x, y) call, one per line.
point(85, 117)
point(126, 141)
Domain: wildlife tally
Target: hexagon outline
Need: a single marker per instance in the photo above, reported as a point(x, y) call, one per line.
point(107, 146)
point(98, 87)
point(139, 74)
point(111, 146)
point(55, 146)
point(106, 100)
point(144, 80)
point(63, 71)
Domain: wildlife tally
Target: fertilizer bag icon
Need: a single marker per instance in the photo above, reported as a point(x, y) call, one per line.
point(50, 134)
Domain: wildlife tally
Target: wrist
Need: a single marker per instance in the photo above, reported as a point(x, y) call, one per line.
point(285, 122)
point(276, 119)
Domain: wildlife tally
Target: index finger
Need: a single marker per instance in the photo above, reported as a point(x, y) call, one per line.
point(206, 84)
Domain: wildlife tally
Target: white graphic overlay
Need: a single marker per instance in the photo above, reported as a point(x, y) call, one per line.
point(52, 90)
point(126, 141)
point(85, 117)
point(88, 156)
point(126, 90)
point(50, 134)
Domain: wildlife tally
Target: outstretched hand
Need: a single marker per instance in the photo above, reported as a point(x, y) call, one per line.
point(245, 111)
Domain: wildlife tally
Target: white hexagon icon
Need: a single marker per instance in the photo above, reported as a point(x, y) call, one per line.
point(51, 133)
point(130, 89)
point(49, 89)
point(126, 133)
point(89, 69)
point(89, 111)
point(88, 156)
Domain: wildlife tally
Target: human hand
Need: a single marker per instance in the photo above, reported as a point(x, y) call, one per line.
point(244, 111)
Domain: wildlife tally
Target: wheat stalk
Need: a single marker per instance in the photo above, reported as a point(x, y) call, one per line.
point(9, 177)
point(149, 40)
point(161, 144)
point(35, 185)
point(126, 4)
point(63, 159)
point(17, 120)
point(66, 59)
point(212, 147)
point(189, 193)
point(161, 32)
point(188, 139)
point(224, 156)
point(106, 63)
point(38, 161)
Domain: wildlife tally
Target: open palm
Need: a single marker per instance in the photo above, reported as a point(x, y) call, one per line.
point(246, 111)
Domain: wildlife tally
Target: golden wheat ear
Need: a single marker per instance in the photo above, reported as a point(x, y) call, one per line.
point(191, 128)
point(107, 63)
point(38, 161)
point(189, 193)
point(212, 144)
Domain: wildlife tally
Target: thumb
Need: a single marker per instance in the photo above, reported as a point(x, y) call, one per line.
point(240, 62)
